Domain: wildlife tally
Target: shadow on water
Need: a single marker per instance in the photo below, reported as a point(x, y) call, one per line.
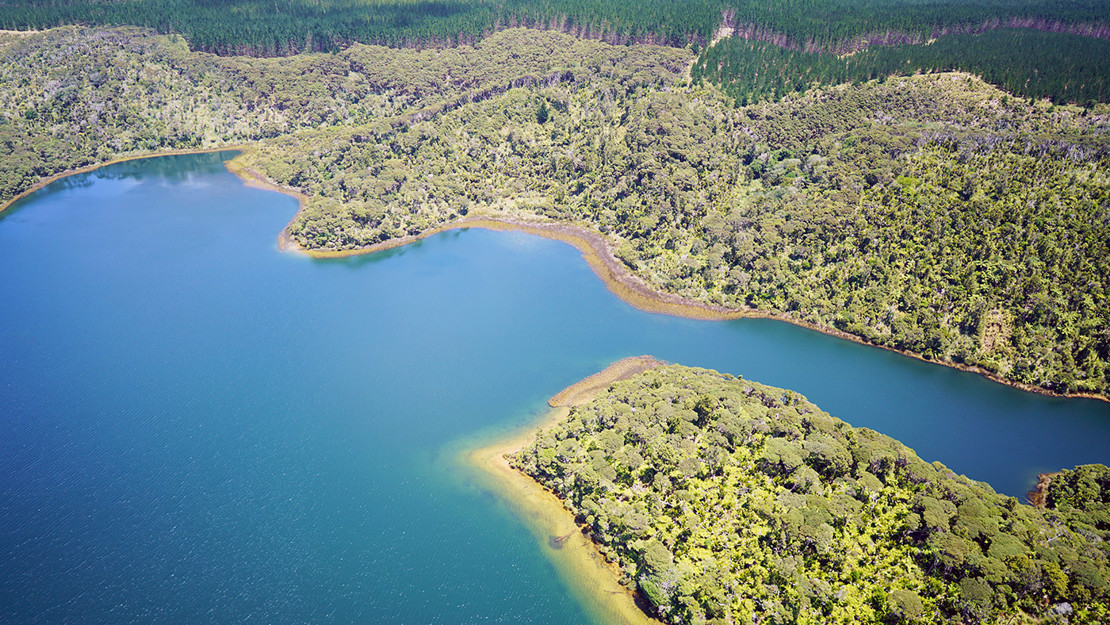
point(58, 187)
point(358, 261)
point(172, 170)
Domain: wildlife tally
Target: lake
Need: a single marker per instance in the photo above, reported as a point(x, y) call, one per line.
point(198, 428)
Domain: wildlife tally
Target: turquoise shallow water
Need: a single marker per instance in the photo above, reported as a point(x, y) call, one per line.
point(197, 428)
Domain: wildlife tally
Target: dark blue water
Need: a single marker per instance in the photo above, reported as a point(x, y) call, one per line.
point(197, 428)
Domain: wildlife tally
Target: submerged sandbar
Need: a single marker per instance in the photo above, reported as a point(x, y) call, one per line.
point(592, 579)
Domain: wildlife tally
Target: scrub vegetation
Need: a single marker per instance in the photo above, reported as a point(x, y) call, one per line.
point(725, 501)
point(934, 214)
point(73, 96)
point(878, 194)
point(1082, 497)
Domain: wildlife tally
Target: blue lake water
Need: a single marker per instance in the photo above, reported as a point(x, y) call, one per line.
point(198, 428)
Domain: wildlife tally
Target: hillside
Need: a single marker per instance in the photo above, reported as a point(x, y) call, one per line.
point(933, 214)
point(723, 500)
point(286, 27)
point(73, 97)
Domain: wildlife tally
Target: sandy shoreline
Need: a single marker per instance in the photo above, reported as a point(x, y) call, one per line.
point(595, 248)
point(593, 580)
point(619, 280)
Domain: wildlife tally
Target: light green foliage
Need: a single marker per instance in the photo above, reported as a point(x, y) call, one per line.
point(768, 528)
point(488, 151)
point(1082, 497)
point(930, 213)
point(920, 213)
point(74, 97)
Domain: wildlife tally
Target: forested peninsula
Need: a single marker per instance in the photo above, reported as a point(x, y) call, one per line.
point(721, 500)
point(923, 177)
point(933, 214)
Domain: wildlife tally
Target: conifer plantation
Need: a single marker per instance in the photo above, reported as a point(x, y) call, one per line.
point(285, 27)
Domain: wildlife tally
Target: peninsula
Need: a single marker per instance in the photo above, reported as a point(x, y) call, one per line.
point(922, 177)
point(721, 500)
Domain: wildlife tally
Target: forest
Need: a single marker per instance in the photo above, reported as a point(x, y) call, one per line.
point(722, 500)
point(1054, 50)
point(926, 211)
point(285, 27)
point(1026, 63)
point(933, 214)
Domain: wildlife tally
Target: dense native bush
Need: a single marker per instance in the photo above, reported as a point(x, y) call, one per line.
point(1082, 496)
point(73, 97)
point(724, 500)
point(934, 214)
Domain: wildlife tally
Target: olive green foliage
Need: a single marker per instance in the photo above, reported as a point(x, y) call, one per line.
point(727, 501)
point(532, 143)
point(1082, 497)
point(931, 213)
point(74, 97)
point(934, 213)
point(1027, 63)
point(283, 27)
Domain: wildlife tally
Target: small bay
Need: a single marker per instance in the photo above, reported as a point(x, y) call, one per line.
point(198, 428)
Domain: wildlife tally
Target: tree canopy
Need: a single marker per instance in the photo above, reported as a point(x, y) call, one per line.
point(286, 27)
point(934, 214)
point(1027, 63)
point(723, 500)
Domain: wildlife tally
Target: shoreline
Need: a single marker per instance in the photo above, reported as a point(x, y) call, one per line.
point(38, 186)
point(620, 281)
point(1038, 497)
point(594, 247)
point(593, 580)
point(256, 180)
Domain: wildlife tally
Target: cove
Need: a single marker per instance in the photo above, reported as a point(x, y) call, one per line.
point(198, 428)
